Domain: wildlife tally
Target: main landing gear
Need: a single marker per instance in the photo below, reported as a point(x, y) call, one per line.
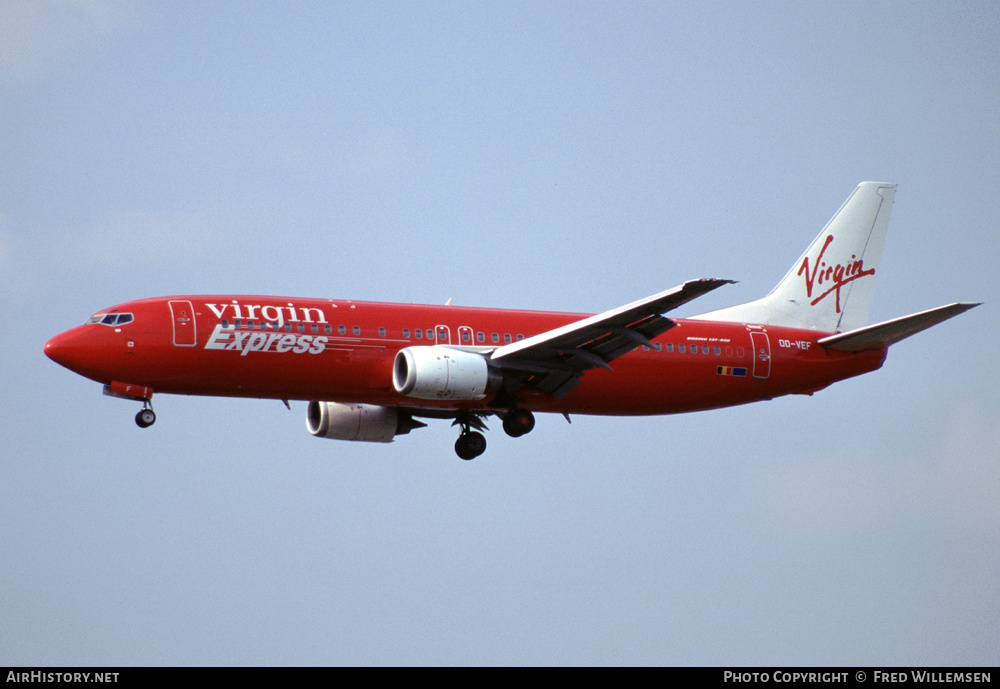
point(518, 422)
point(471, 443)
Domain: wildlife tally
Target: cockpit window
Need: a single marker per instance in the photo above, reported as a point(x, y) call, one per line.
point(110, 318)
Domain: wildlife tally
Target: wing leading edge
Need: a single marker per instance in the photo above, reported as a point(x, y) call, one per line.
point(554, 361)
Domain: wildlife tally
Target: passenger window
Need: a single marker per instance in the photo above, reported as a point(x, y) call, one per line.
point(681, 348)
point(315, 329)
point(520, 337)
point(480, 337)
point(288, 327)
point(406, 333)
point(357, 330)
point(704, 349)
point(328, 329)
point(381, 332)
point(718, 350)
point(506, 338)
point(342, 329)
point(430, 334)
point(465, 336)
point(302, 327)
point(670, 347)
point(496, 338)
point(418, 333)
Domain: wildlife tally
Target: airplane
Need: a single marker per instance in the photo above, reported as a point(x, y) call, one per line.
point(371, 371)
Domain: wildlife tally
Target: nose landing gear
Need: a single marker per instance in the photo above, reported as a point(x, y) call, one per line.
point(138, 393)
point(146, 416)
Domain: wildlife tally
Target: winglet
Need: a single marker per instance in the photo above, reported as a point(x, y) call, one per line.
point(890, 332)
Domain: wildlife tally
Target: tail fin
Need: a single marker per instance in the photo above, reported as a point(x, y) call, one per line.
point(830, 287)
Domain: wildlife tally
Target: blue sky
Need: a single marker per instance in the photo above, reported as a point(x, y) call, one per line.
point(564, 156)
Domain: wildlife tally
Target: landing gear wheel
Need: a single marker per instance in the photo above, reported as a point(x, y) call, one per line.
point(145, 418)
point(518, 422)
point(470, 445)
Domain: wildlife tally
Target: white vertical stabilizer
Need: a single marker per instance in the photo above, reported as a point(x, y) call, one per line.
point(830, 287)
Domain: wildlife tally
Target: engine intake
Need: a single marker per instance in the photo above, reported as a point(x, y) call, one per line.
point(443, 373)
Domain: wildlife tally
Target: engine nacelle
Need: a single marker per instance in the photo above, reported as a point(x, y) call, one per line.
point(366, 422)
point(443, 373)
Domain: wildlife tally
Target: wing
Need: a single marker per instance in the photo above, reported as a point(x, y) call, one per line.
point(555, 361)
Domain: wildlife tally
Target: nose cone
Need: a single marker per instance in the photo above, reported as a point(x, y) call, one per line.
point(75, 350)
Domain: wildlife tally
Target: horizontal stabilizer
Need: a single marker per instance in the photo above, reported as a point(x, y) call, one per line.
point(890, 332)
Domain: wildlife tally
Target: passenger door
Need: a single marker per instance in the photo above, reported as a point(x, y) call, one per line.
point(185, 326)
point(761, 354)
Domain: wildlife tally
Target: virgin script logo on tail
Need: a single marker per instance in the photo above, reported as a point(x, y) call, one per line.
point(831, 277)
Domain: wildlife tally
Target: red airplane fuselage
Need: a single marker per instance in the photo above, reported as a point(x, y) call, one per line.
point(312, 349)
point(370, 370)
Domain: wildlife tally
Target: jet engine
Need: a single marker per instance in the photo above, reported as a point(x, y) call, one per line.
point(443, 373)
point(365, 422)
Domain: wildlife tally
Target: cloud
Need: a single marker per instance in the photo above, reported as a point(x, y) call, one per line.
point(36, 35)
